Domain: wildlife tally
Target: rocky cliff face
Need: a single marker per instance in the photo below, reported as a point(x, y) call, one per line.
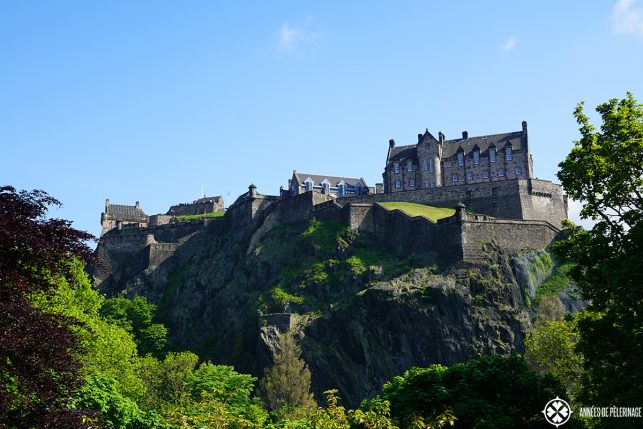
point(362, 314)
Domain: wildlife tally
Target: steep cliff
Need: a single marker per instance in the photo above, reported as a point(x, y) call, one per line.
point(363, 314)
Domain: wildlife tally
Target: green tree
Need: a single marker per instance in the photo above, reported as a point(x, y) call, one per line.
point(136, 316)
point(488, 392)
point(286, 385)
point(604, 170)
point(550, 349)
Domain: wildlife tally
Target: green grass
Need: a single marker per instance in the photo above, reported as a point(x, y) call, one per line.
point(414, 209)
point(187, 218)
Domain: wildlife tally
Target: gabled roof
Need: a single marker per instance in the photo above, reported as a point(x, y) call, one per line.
point(123, 212)
point(403, 152)
point(483, 143)
point(334, 180)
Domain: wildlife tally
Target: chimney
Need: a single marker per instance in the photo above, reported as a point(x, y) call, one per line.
point(138, 205)
point(465, 135)
point(391, 143)
point(252, 190)
point(441, 137)
point(419, 138)
point(524, 127)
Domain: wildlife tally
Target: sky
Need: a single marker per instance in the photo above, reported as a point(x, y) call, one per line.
point(155, 101)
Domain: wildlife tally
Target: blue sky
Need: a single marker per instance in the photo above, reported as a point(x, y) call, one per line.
point(151, 100)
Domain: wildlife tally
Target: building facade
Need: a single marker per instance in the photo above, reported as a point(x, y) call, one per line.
point(432, 162)
point(330, 185)
point(119, 215)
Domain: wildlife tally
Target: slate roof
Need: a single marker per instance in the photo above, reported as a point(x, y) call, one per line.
point(451, 146)
point(123, 212)
point(483, 143)
point(334, 180)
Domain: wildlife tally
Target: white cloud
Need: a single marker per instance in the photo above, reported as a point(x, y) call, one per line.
point(510, 44)
point(292, 37)
point(628, 17)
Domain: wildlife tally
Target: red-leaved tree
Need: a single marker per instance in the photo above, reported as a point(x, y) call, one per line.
point(38, 372)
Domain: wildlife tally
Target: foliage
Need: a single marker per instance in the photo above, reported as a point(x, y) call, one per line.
point(116, 411)
point(556, 283)
point(135, 315)
point(287, 382)
point(187, 218)
point(37, 369)
point(550, 350)
point(413, 209)
point(488, 392)
point(605, 171)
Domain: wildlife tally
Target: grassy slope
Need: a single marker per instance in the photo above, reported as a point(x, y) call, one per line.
point(199, 216)
point(413, 209)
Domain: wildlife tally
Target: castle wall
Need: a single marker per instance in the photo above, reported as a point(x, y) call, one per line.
point(197, 208)
point(531, 199)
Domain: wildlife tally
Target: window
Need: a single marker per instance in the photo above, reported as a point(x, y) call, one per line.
point(492, 154)
point(398, 184)
point(396, 167)
point(508, 153)
point(501, 172)
point(518, 171)
point(309, 185)
point(432, 185)
point(342, 189)
point(409, 166)
point(485, 174)
point(456, 178)
point(426, 183)
point(476, 157)
point(429, 165)
point(461, 159)
point(469, 176)
point(412, 182)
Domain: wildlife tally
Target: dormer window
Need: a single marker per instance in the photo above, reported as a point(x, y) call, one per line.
point(461, 159)
point(492, 154)
point(308, 184)
point(341, 187)
point(396, 167)
point(476, 156)
point(509, 153)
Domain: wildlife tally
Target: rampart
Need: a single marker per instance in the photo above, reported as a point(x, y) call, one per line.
point(524, 199)
point(202, 206)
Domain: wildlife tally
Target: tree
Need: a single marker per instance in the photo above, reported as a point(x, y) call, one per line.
point(38, 372)
point(135, 315)
point(550, 349)
point(488, 392)
point(604, 170)
point(287, 383)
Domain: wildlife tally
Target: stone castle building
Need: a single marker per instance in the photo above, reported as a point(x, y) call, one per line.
point(201, 206)
point(330, 185)
point(432, 162)
point(119, 215)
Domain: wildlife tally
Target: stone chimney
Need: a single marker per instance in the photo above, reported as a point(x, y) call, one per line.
point(441, 137)
point(419, 137)
point(524, 127)
point(106, 204)
point(465, 135)
point(252, 190)
point(391, 143)
point(138, 205)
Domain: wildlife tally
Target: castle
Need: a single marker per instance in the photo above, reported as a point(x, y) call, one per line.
point(487, 179)
point(468, 160)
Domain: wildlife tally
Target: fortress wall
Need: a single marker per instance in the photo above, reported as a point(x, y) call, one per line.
point(400, 232)
point(543, 200)
point(500, 199)
point(196, 208)
point(510, 235)
point(328, 211)
point(157, 253)
point(359, 216)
